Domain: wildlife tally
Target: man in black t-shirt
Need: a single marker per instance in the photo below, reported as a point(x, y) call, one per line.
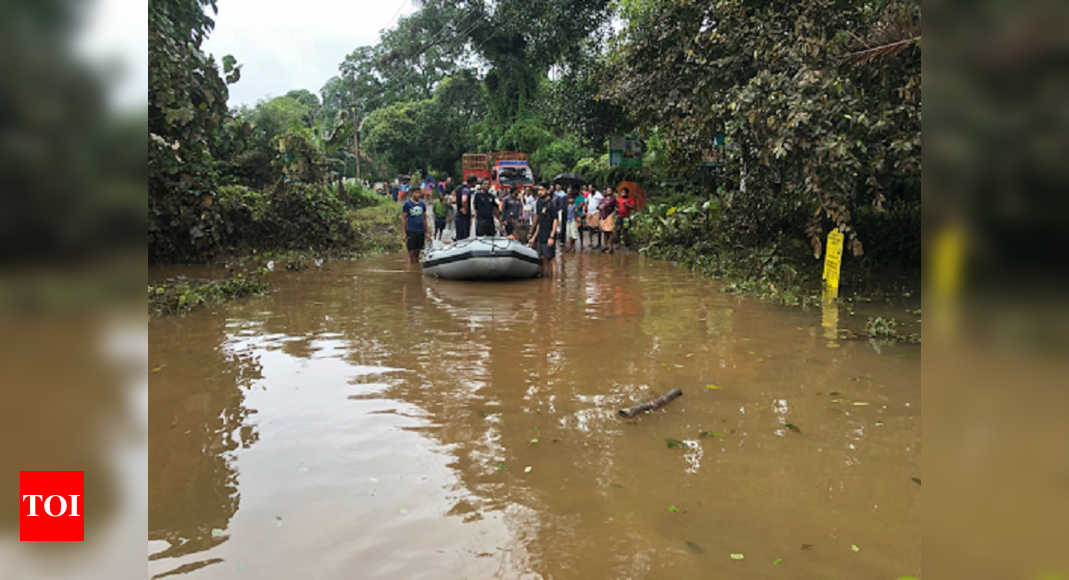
point(485, 211)
point(545, 225)
point(511, 210)
point(463, 217)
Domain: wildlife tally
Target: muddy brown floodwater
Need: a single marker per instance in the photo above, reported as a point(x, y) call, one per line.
point(366, 422)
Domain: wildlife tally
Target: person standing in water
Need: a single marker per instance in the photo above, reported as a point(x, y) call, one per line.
point(545, 226)
point(414, 221)
point(486, 210)
point(593, 219)
point(607, 213)
point(511, 210)
point(464, 194)
point(625, 206)
point(439, 215)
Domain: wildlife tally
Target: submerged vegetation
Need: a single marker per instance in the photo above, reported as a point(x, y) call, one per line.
point(178, 296)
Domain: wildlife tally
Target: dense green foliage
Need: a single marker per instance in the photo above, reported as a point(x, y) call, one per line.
point(815, 127)
point(765, 123)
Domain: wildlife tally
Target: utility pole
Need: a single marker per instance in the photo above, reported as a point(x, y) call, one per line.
point(356, 145)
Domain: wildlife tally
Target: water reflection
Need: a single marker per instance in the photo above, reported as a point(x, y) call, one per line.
point(365, 416)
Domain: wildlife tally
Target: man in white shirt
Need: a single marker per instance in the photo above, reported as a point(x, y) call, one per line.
point(592, 220)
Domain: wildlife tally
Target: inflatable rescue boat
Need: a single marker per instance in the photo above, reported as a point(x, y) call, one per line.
point(484, 258)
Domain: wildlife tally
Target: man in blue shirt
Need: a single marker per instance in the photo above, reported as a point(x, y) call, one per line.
point(414, 221)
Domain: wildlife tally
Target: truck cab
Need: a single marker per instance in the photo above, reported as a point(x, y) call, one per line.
point(499, 169)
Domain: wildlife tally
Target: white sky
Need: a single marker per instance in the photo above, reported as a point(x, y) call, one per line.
point(286, 45)
point(115, 38)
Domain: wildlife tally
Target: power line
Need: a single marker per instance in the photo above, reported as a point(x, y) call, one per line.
point(395, 14)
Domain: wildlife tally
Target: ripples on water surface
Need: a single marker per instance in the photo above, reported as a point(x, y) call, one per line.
point(365, 422)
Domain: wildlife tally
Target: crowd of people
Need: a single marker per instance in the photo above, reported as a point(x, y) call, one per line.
point(547, 218)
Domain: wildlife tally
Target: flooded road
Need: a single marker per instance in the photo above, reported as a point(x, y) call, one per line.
point(366, 422)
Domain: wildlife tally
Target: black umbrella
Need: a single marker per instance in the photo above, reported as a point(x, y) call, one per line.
point(569, 179)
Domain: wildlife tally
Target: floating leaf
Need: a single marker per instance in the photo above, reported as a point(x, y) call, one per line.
point(673, 509)
point(793, 427)
point(916, 480)
point(759, 359)
point(527, 469)
point(737, 556)
point(617, 485)
point(705, 434)
point(157, 369)
point(714, 387)
point(673, 443)
point(694, 547)
point(500, 467)
point(217, 533)
point(854, 548)
point(535, 440)
point(777, 561)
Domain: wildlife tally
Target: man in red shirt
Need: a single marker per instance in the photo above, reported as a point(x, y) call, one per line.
point(625, 206)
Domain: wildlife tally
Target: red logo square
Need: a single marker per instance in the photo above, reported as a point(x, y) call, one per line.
point(51, 506)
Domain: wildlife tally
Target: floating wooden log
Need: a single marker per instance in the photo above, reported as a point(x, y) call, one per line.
point(652, 405)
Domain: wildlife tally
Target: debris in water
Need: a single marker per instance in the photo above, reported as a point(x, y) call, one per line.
point(737, 556)
point(916, 480)
point(217, 533)
point(652, 405)
point(854, 548)
point(705, 434)
point(674, 443)
point(714, 387)
point(527, 469)
point(694, 547)
point(807, 546)
point(404, 510)
point(500, 467)
point(793, 427)
point(617, 485)
point(777, 561)
point(673, 509)
point(535, 440)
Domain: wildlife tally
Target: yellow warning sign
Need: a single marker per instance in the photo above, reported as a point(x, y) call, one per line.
point(833, 258)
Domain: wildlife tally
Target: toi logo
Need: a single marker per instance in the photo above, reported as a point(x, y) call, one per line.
point(51, 506)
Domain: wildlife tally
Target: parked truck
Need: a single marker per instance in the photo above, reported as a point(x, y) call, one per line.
point(499, 169)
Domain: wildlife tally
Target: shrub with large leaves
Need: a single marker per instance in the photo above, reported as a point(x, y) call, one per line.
point(186, 105)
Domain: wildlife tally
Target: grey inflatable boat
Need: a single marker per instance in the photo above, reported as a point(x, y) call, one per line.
point(485, 258)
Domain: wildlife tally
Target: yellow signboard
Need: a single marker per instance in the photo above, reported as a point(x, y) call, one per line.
point(833, 258)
